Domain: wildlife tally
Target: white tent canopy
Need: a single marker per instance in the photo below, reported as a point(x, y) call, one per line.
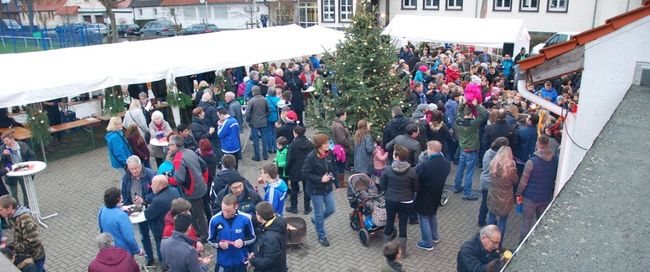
point(472, 31)
point(40, 76)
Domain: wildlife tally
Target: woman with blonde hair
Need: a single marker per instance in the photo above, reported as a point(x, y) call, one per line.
point(118, 147)
point(503, 177)
point(160, 129)
point(364, 147)
point(135, 116)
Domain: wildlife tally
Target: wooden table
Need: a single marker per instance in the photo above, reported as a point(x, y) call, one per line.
point(21, 133)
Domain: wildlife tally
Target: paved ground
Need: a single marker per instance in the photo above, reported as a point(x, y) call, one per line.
point(73, 187)
point(599, 221)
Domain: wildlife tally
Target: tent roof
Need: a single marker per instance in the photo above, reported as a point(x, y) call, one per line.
point(479, 32)
point(44, 75)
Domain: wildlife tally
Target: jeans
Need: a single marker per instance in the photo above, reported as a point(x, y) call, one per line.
point(429, 229)
point(532, 211)
point(269, 137)
point(241, 268)
point(483, 211)
point(40, 264)
point(467, 161)
point(324, 206)
point(402, 210)
point(295, 188)
point(146, 240)
point(503, 220)
point(258, 134)
point(13, 183)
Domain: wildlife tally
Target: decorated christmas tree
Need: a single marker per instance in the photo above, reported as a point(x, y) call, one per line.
point(362, 71)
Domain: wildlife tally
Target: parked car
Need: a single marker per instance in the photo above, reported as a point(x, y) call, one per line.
point(128, 29)
point(159, 28)
point(559, 37)
point(97, 28)
point(199, 29)
point(9, 24)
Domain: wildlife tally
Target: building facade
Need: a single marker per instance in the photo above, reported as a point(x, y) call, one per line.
point(539, 15)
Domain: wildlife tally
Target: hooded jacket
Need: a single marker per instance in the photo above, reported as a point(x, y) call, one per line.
point(419, 111)
point(485, 178)
point(246, 201)
point(180, 255)
point(118, 149)
point(275, 193)
point(271, 247)
point(27, 241)
point(411, 144)
point(113, 259)
point(472, 256)
point(363, 154)
point(538, 179)
point(399, 182)
point(432, 175)
point(396, 126)
point(500, 200)
point(226, 177)
point(296, 154)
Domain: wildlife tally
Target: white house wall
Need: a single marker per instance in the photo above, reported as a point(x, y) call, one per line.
point(609, 67)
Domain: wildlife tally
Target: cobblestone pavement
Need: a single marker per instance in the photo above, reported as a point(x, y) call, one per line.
point(74, 187)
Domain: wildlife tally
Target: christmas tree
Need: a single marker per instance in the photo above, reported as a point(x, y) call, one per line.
point(362, 71)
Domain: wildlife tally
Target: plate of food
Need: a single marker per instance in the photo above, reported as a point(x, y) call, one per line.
point(22, 167)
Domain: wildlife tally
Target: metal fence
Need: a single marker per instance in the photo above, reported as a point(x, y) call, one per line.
point(72, 35)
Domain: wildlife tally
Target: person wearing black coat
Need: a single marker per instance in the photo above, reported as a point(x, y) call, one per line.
point(227, 176)
point(270, 254)
point(317, 172)
point(295, 85)
point(296, 153)
point(480, 252)
point(396, 126)
point(500, 128)
point(210, 119)
point(399, 183)
point(158, 208)
point(432, 174)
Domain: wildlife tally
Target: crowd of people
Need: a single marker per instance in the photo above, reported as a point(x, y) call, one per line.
point(460, 109)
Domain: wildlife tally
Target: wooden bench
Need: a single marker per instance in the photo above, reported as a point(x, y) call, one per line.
point(20, 133)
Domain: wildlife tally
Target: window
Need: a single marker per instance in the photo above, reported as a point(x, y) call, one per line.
point(454, 4)
point(220, 12)
point(155, 11)
point(203, 12)
point(307, 15)
point(409, 4)
point(431, 4)
point(345, 10)
point(529, 5)
point(557, 6)
point(502, 5)
point(189, 12)
point(328, 10)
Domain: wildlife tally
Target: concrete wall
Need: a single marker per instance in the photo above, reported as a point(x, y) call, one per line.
point(609, 69)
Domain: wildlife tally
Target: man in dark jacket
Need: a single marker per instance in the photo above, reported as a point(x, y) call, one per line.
point(408, 140)
point(227, 176)
point(296, 154)
point(246, 196)
point(295, 85)
point(178, 250)
point(111, 258)
point(18, 152)
point(500, 128)
point(190, 173)
point(211, 118)
point(526, 140)
point(432, 175)
point(158, 208)
point(136, 189)
point(480, 252)
point(257, 112)
point(396, 126)
point(270, 254)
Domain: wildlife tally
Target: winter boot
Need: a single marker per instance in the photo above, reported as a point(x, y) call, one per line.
point(402, 242)
point(387, 238)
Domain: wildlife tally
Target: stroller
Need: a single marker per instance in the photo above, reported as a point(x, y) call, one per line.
point(369, 212)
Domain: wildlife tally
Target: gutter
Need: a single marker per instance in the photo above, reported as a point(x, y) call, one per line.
point(520, 79)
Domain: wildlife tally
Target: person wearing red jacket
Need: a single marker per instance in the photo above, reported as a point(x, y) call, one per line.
point(179, 206)
point(111, 258)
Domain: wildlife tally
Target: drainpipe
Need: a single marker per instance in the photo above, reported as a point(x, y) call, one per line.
point(520, 79)
point(593, 21)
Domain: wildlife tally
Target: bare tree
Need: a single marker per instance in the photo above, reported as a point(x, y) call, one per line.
point(109, 5)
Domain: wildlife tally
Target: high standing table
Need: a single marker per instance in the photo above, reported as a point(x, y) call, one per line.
point(34, 167)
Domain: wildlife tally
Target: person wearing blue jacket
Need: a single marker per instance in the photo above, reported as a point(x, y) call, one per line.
point(253, 81)
point(113, 220)
point(136, 189)
point(232, 234)
point(275, 189)
point(228, 133)
point(269, 139)
point(549, 92)
point(118, 147)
